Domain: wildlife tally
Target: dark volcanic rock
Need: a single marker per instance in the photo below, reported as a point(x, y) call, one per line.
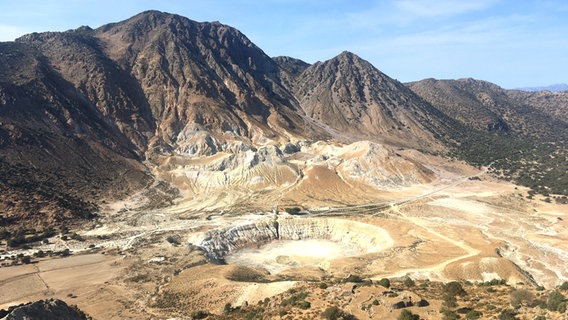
point(46, 310)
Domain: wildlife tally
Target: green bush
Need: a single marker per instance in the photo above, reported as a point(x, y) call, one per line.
point(561, 307)
point(473, 315)
point(354, 278)
point(449, 315)
point(407, 315)
point(409, 282)
point(294, 300)
point(519, 296)
point(385, 282)
point(450, 301)
point(507, 315)
point(199, 314)
point(454, 288)
point(332, 313)
point(293, 211)
point(555, 300)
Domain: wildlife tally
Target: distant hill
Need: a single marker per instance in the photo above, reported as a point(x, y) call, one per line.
point(554, 88)
point(523, 134)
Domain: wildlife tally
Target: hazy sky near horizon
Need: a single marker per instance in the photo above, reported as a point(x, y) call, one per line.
point(513, 43)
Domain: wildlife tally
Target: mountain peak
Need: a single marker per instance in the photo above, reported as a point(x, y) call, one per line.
point(348, 56)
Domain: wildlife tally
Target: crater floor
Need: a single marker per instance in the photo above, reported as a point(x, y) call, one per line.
point(279, 255)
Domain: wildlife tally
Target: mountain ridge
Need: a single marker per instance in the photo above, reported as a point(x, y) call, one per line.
point(110, 103)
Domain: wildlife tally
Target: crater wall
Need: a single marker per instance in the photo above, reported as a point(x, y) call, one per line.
point(368, 238)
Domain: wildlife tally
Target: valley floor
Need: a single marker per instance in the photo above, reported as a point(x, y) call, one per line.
point(136, 263)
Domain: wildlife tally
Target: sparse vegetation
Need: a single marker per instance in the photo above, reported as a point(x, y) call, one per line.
point(24, 238)
point(295, 300)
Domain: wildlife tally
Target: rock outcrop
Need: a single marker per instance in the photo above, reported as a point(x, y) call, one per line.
point(45, 310)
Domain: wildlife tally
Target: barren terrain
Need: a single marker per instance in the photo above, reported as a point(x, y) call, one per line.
point(440, 221)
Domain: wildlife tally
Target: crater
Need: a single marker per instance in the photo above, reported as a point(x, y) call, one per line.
point(280, 243)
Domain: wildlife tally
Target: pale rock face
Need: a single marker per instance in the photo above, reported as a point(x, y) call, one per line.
point(217, 244)
point(377, 166)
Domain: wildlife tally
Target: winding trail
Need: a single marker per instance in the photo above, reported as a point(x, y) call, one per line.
point(471, 252)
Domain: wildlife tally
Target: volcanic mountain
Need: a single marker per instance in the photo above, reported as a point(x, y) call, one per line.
point(89, 115)
point(351, 96)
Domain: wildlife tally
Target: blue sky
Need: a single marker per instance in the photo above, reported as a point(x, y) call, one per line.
point(513, 43)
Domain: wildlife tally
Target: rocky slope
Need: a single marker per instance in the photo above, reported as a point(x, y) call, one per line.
point(523, 134)
point(57, 151)
point(165, 80)
point(102, 101)
point(485, 106)
point(352, 97)
point(554, 104)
